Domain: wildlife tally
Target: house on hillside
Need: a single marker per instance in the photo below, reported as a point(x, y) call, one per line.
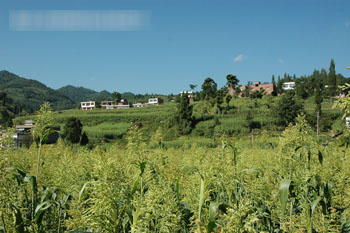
point(190, 94)
point(288, 86)
point(23, 135)
point(269, 89)
point(138, 105)
point(89, 105)
point(155, 101)
point(108, 104)
point(114, 105)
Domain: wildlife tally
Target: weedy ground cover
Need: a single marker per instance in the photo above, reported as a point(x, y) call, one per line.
point(287, 183)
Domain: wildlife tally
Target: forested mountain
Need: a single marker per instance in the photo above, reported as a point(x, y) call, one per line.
point(30, 94)
point(80, 94)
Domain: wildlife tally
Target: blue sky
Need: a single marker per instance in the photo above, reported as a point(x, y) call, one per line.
point(183, 42)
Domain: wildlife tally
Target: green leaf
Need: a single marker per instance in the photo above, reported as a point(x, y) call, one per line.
point(284, 190)
point(177, 190)
point(82, 191)
point(328, 191)
point(134, 188)
point(320, 157)
point(314, 204)
point(214, 206)
point(346, 226)
point(201, 198)
point(142, 167)
point(19, 223)
point(40, 210)
point(46, 136)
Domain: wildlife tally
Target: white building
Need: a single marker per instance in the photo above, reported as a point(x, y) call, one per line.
point(122, 106)
point(138, 105)
point(155, 101)
point(89, 105)
point(108, 104)
point(288, 86)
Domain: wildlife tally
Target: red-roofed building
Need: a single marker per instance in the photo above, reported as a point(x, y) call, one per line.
point(269, 89)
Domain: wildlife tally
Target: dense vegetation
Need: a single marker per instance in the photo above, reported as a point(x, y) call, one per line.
point(218, 164)
point(80, 94)
point(7, 110)
point(290, 183)
point(29, 94)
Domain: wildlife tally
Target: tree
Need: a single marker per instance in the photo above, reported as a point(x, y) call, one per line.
point(72, 130)
point(208, 89)
point(228, 98)
point(258, 94)
point(116, 96)
point(192, 86)
point(232, 81)
point(246, 92)
point(220, 94)
point(332, 80)
point(5, 117)
point(84, 139)
point(279, 85)
point(183, 116)
point(273, 80)
point(300, 89)
point(287, 109)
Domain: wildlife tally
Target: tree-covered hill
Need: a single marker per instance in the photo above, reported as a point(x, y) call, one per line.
point(78, 94)
point(30, 94)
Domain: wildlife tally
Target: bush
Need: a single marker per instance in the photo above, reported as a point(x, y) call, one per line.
point(287, 109)
point(205, 128)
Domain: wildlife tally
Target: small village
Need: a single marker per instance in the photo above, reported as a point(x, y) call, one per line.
point(123, 103)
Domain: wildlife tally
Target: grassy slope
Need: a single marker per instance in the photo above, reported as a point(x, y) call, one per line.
point(106, 125)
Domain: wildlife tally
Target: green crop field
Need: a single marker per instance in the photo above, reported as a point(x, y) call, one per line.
point(281, 183)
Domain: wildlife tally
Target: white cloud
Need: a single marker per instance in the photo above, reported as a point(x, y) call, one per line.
point(79, 20)
point(281, 61)
point(240, 57)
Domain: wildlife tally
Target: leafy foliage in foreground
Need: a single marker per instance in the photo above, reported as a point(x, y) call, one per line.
point(292, 184)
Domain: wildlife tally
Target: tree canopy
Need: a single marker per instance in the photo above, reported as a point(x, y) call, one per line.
point(288, 109)
point(73, 130)
point(209, 87)
point(183, 116)
point(232, 81)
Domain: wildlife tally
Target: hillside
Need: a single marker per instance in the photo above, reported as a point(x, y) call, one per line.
point(30, 94)
point(79, 94)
